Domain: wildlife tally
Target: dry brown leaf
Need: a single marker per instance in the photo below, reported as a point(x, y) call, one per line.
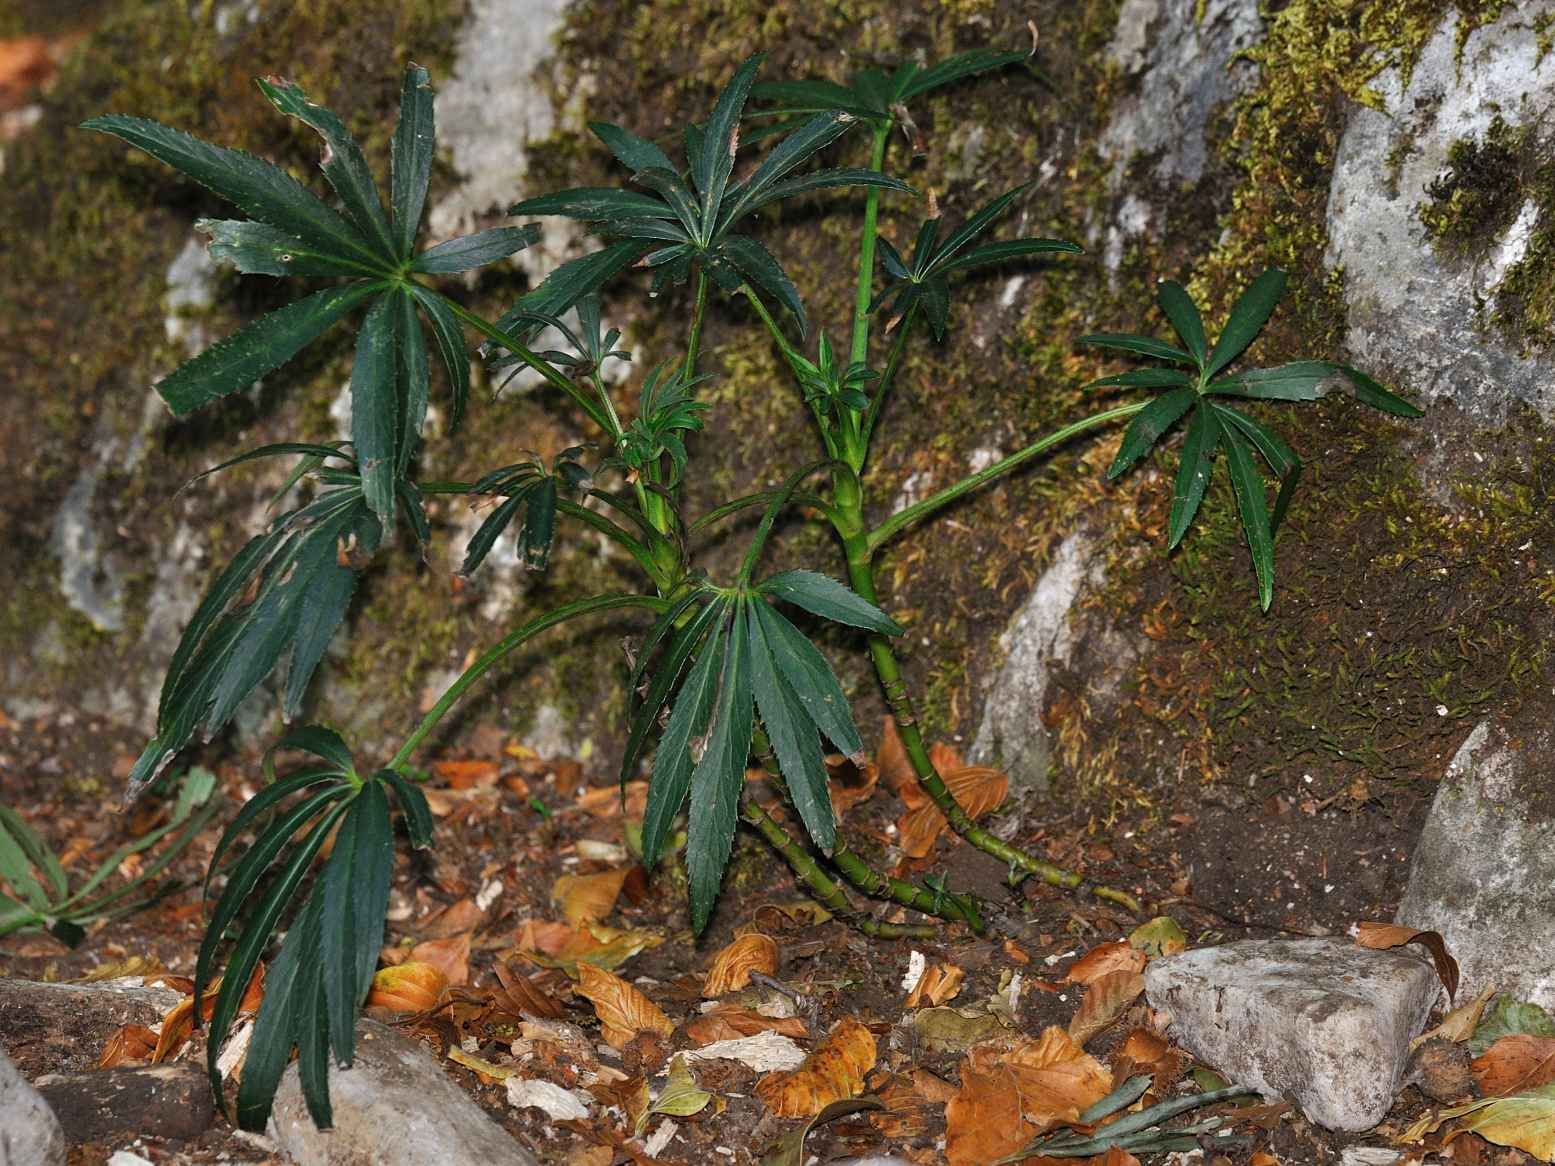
point(732, 967)
point(408, 987)
point(1114, 1156)
point(466, 774)
point(977, 788)
point(450, 956)
point(1515, 1063)
point(623, 1011)
point(939, 983)
point(733, 1021)
point(1104, 960)
point(1263, 1158)
point(586, 899)
point(546, 936)
point(983, 1122)
point(891, 760)
point(1386, 935)
point(907, 1113)
point(131, 1045)
point(1057, 1078)
point(1105, 1001)
point(606, 801)
point(848, 783)
point(25, 64)
point(1016, 952)
point(833, 1072)
point(455, 919)
point(520, 995)
point(178, 1024)
point(1144, 1047)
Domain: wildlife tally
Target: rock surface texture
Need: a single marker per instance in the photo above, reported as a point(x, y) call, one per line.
point(393, 1107)
point(29, 1132)
point(61, 1027)
point(1484, 872)
point(1318, 1022)
point(1409, 306)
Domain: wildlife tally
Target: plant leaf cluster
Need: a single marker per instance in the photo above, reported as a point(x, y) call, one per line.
point(530, 487)
point(666, 414)
point(315, 987)
point(1197, 385)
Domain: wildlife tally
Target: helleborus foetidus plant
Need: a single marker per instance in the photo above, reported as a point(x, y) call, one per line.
point(723, 675)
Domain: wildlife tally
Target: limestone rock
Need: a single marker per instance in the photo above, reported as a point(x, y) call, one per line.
point(29, 1132)
point(1483, 873)
point(393, 1107)
point(61, 1027)
point(1319, 1022)
point(1408, 308)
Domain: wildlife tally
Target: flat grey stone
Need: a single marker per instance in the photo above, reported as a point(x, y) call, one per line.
point(1321, 1023)
point(394, 1107)
point(61, 1027)
point(1483, 873)
point(29, 1131)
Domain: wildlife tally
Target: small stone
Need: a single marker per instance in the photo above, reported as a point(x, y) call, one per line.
point(394, 1107)
point(1319, 1022)
point(29, 1131)
point(1483, 873)
point(165, 1101)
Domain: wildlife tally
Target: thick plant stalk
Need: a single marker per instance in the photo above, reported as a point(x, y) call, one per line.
point(821, 887)
point(852, 866)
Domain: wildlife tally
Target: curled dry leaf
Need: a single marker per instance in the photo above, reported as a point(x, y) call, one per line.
point(1105, 1000)
point(1057, 1078)
point(732, 1021)
point(1144, 1047)
point(1104, 960)
point(1160, 936)
point(623, 1011)
point(131, 1045)
point(907, 1113)
point(519, 995)
point(978, 789)
point(450, 956)
point(732, 967)
point(586, 899)
point(849, 783)
point(455, 919)
point(410, 987)
point(833, 1072)
point(178, 1024)
point(1515, 1063)
point(1459, 1024)
point(606, 801)
point(938, 984)
point(984, 1122)
point(1386, 935)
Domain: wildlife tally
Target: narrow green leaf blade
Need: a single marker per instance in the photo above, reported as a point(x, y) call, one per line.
point(823, 596)
point(631, 151)
point(1252, 505)
point(1140, 345)
point(662, 682)
point(1281, 458)
point(1370, 392)
point(955, 68)
point(595, 204)
point(356, 896)
point(449, 334)
point(810, 677)
point(1247, 319)
point(256, 248)
point(471, 251)
point(1148, 426)
point(1184, 315)
point(1003, 252)
point(411, 153)
point(413, 807)
point(375, 410)
point(758, 265)
point(718, 781)
point(1193, 473)
point(672, 761)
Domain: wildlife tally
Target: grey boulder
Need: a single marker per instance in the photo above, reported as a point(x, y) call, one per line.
point(29, 1132)
point(393, 1107)
point(1483, 873)
point(1321, 1023)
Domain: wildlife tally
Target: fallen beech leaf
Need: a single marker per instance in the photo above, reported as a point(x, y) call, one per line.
point(833, 1072)
point(1105, 1000)
point(450, 956)
point(732, 967)
point(586, 899)
point(518, 994)
point(1016, 952)
point(1515, 1064)
point(1144, 1047)
point(1459, 1024)
point(765, 1052)
point(1160, 936)
point(938, 984)
point(1057, 1078)
point(466, 774)
point(732, 1021)
point(544, 935)
point(605, 801)
point(604, 947)
point(934, 1089)
point(409, 987)
point(801, 911)
point(1525, 1121)
point(131, 1045)
point(906, 1113)
point(789, 1149)
point(1104, 960)
point(978, 789)
point(1263, 1158)
point(1117, 1157)
point(178, 1024)
point(984, 1122)
point(455, 919)
point(849, 784)
point(891, 760)
point(681, 1095)
point(1386, 935)
point(623, 1011)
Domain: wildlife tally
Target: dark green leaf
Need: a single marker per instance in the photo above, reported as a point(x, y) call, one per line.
point(1144, 378)
point(662, 682)
point(814, 97)
point(412, 150)
point(1255, 517)
point(270, 1046)
point(1301, 380)
point(955, 68)
point(824, 180)
point(1370, 392)
point(320, 741)
point(1180, 310)
point(1007, 250)
point(710, 170)
point(311, 1023)
point(489, 531)
point(413, 805)
point(688, 719)
point(1281, 458)
point(1247, 319)
point(450, 345)
point(414, 382)
point(975, 226)
point(249, 353)
point(810, 678)
point(758, 266)
point(471, 251)
point(575, 279)
point(1148, 426)
point(793, 736)
point(1143, 345)
point(356, 897)
point(823, 596)
point(814, 135)
point(534, 541)
point(631, 151)
point(262, 802)
point(718, 780)
point(595, 204)
point(256, 248)
point(342, 162)
point(265, 192)
point(1198, 459)
point(375, 410)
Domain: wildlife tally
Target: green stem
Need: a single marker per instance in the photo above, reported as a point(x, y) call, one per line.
point(887, 379)
point(824, 890)
point(911, 514)
point(866, 250)
point(694, 340)
point(508, 643)
point(799, 498)
point(534, 360)
point(789, 353)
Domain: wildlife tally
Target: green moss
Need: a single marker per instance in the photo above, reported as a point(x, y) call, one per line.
point(1473, 202)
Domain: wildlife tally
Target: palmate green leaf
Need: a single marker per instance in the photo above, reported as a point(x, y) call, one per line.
point(255, 248)
point(711, 169)
point(1193, 473)
point(1185, 318)
point(1248, 316)
point(258, 348)
point(263, 191)
point(666, 672)
point(449, 334)
point(1248, 484)
point(355, 898)
point(1140, 345)
point(411, 153)
point(823, 596)
point(1281, 458)
point(342, 163)
point(793, 150)
point(672, 761)
point(830, 179)
point(811, 680)
point(718, 780)
point(471, 251)
point(631, 151)
point(756, 264)
point(375, 409)
point(956, 68)
point(1148, 426)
